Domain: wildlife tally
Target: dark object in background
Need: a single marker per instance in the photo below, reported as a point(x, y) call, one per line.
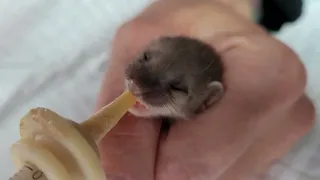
point(275, 13)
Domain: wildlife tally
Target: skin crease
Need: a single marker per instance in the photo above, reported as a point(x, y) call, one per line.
point(263, 113)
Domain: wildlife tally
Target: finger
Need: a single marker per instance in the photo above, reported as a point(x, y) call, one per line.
point(128, 150)
point(273, 144)
point(205, 147)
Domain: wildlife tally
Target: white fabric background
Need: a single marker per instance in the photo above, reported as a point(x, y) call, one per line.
point(52, 54)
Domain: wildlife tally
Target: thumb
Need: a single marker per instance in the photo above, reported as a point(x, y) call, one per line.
point(128, 151)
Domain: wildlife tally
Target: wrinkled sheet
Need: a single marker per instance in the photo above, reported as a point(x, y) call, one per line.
point(53, 53)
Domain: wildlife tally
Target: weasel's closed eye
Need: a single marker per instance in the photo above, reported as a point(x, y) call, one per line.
point(178, 86)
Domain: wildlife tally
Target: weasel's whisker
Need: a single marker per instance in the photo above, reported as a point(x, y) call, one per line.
point(172, 100)
point(174, 105)
point(166, 105)
point(168, 108)
point(207, 66)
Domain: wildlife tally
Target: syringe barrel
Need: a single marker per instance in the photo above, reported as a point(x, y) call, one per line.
point(61, 148)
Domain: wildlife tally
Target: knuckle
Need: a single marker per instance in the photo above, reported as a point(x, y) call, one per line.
point(122, 31)
point(139, 27)
point(269, 70)
point(292, 79)
point(304, 116)
point(133, 35)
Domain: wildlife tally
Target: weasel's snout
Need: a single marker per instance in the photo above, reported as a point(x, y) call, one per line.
point(133, 88)
point(153, 96)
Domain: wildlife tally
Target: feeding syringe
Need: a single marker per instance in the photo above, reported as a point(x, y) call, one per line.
point(55, 148)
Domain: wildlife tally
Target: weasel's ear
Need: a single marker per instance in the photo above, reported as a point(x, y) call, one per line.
point(216, 92)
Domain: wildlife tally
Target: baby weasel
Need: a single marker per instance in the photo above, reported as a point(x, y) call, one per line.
point(176, 77)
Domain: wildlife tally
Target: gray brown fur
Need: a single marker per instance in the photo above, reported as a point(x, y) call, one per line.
point(179, 73)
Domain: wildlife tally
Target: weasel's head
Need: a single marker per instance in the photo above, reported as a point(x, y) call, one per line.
point(174, 77)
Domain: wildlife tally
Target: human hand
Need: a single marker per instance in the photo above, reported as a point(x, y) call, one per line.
point(263, 113)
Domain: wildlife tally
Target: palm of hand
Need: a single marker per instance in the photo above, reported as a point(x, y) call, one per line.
point(261, 115)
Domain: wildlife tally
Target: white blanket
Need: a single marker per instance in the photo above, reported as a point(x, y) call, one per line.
point(52, 54)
